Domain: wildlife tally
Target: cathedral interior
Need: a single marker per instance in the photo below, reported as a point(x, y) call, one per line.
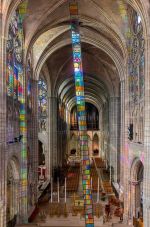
point(74, 113)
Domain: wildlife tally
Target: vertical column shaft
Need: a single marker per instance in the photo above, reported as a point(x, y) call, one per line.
point(146, 183)
point(34, 139)
point(114, 122)
point(48, 158)
point(53, 131)
point(2, 126)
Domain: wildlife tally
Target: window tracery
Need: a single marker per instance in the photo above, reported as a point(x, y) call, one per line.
point(14, 48)
point(16, 95)
point(14, 73)
point(136, 57)
point(42, 103)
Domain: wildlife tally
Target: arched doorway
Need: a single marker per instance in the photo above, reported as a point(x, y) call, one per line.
point(136, 182)
point(74, 145)
point(12, 192)
point(41, 154)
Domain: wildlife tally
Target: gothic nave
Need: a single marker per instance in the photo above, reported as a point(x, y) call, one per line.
point(74, 113)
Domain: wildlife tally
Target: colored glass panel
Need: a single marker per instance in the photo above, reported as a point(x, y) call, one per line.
point(42, 98)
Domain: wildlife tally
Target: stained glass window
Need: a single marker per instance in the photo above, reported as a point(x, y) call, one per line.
point(29, 76)
point(14, 56)
point(42, 98)
point(136, 57)
point(16, 90)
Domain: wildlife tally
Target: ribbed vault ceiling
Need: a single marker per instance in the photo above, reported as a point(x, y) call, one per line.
point(47, 33)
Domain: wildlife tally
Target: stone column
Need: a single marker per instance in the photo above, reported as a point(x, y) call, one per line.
point(13, 198)
point(114, 122)
point(132, 200)
point(10, 201)
point(100, 133)
point(52, 134)
point(105, 124)
point(3, 173)
point(32, 146)
point(67, 134)
point(34, 128)
point(48, 157)
point(16, 187)
point(2, 212)
point(124, 155)
point(122, 133)
point(60, 148)
point(60, 139)
point(146, 182)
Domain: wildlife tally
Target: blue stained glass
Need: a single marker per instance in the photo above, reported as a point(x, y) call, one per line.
point(42, 90)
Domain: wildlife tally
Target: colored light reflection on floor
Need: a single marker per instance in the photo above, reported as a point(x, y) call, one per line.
point(80, 101)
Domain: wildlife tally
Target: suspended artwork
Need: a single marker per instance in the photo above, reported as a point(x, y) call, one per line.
point(80, 102)
point(15, 81)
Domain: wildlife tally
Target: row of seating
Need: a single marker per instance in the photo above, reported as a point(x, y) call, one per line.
point(107, 187)
point(97, 210)
point(73, 179)
point(99, 162)
point(58, 209)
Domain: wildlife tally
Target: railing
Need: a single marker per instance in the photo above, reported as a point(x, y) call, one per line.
point(101, 182)
point(89, 127)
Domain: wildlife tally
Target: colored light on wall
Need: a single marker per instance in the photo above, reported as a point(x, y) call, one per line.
point(16, 90)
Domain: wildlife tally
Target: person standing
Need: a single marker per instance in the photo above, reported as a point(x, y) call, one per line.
point(121, 214)
point(112, 210)
point(107, 211)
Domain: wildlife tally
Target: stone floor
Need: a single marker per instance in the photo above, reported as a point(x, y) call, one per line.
point(74, 223)
point(78, 222)
point(72, 220)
